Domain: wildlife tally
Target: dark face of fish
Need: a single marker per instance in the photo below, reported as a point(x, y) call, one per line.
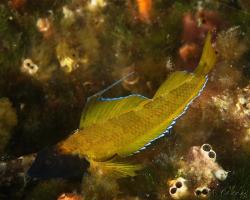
point(51, 164)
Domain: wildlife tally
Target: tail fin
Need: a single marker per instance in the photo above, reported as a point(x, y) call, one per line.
point(208, 58)
point(176, 79)
point(116, 170)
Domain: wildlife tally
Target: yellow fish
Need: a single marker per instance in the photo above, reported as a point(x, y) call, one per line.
point(119, 127)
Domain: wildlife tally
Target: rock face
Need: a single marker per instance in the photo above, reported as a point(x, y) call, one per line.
point(199, 174)
point(8, 119)
point(56, 54)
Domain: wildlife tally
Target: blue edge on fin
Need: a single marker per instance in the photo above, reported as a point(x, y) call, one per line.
point(118, 98)
point(167, 131)
point(170, 126)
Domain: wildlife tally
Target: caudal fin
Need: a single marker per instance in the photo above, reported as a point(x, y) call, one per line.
point(208, 58)
point(178, 78)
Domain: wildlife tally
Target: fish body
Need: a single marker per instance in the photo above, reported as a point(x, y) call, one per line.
point(123, 126)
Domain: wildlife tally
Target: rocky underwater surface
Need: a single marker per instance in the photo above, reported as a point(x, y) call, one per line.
point(56, 54)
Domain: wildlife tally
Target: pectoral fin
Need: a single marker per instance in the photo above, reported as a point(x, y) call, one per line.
point(114, 169)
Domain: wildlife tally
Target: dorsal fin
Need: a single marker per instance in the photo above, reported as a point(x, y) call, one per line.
point(99, 109)
point(102, 109)
point(173, 81)
point(178, 78)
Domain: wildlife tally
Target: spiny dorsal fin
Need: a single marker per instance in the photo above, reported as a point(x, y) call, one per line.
point(99, 110)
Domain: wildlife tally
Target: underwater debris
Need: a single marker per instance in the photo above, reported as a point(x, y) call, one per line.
point(238, 183)
point(243, 112)
point(127, 198)
point(45, 27)
point(208, 152)
point(227, 76)
point(29, 67)
point(243, 102)
point(70, 58)
point(67, 13)
point(245, 4)
point(195, 28)
point(208, 20)
point(141, 10)
point(178, 188)
point(95, 4)
point(144, 10)
point(233, 106)
point(229, 44)
point(202, 192)
point(14, 170)
point(43, 57)
point(17, 4)
point(66, 57)
point(169, 64)
point(49, 190)
point(69, 196)
point(99, 187)
point(130, 82)
point(68, 16)
point(8, 119)
point(200, 170)
point(189, 51)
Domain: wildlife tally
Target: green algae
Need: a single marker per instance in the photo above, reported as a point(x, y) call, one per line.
point(237, 186)
point(49, 190)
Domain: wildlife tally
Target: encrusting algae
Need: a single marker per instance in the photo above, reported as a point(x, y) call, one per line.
point(56, 54)
point(117, 128)
point(198, 174)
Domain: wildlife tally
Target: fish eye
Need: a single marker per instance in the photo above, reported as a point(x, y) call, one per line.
point(206, 147)
point(212, 154)
point(173, 190)
point(178, 184)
